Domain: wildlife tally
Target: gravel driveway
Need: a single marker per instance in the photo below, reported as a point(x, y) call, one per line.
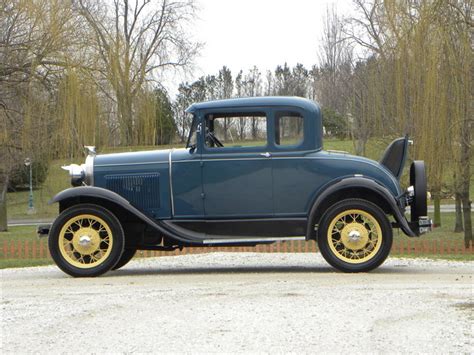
point(241, 302)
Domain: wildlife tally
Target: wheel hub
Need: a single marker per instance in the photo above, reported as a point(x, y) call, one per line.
point(86, 240)
point(354, 236)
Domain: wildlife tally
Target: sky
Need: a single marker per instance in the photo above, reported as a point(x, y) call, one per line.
point(265, 33)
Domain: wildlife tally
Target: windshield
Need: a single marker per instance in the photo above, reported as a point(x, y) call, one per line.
point(192, 138)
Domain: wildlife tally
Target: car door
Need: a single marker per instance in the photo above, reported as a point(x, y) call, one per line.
point(237, 170)
point(294, 173)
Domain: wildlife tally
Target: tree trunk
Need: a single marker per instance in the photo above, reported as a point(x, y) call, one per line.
point(465, 176)
point(254, 129)
point(3, 206)
point(466, 207)
point(458, 227)
point(437, 211)
point(359, 145)
point(465, 183)
point(226, 124)
point(124, 107)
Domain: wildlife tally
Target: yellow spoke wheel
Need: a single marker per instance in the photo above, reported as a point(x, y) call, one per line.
point(354, 236)
point(85, 241)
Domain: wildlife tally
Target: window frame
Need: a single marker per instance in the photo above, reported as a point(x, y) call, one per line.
point(195, 123)
point(278, 114)
point(238, 111)
point(302, 145)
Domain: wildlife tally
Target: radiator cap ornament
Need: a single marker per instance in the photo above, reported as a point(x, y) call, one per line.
point(90, 150)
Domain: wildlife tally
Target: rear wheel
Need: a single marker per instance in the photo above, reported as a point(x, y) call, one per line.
point(86, 240)
point(127, 255)
point(355, 236)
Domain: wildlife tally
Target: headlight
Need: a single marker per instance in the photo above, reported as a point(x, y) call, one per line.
point(82, 174)
point(76, 172)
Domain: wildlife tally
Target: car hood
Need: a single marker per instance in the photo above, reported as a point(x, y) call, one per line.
point(132, 158)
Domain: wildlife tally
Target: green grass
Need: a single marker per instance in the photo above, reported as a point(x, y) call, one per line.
point(451, 257)
point(16, 263)
point(22, 235)
point(444, 233)
point(57, 180)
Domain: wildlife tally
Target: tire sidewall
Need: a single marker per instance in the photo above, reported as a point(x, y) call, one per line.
point(117, 245)
point(377, 213)
point(419, 207)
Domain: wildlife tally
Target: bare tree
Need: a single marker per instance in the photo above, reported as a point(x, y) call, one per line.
point(252, 86)
point(136, 39)
point(335, 57)
point(225, 88)
point(34, 37)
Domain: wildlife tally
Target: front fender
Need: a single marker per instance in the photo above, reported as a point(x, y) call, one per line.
point(90, 191)
point(349, 187)
point(97, 194)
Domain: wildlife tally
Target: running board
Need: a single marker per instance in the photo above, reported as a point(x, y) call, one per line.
point(251, 240)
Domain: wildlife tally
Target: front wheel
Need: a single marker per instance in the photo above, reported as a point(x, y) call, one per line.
point(86, 240)
point(355, 236)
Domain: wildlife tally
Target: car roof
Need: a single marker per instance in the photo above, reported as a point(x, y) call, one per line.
point(260, 101)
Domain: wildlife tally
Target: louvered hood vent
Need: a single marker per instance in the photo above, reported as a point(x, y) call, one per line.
point(141, 190)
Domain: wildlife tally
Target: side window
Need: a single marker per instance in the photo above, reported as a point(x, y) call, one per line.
point(231, 130)
point(288, 128)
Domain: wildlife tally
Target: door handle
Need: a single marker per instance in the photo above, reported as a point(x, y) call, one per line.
point(266, 155)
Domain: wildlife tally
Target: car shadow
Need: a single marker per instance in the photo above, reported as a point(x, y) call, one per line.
point(210, 270)
point(220, 270)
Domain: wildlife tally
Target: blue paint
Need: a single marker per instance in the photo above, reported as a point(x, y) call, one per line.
point(240, 182)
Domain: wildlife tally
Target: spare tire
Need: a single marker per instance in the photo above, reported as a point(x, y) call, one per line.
point(418, 206)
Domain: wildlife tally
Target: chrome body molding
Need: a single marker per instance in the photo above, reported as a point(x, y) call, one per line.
point(251, 240)
point(128, 164)
point(337, 151)
point(170, 170)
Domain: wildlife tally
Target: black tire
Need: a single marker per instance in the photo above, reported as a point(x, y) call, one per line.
point(127, 255)
point(96, 251)
point(370, 232)
point(419, 205)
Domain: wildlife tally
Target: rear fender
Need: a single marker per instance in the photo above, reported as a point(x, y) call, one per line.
point(356, 187)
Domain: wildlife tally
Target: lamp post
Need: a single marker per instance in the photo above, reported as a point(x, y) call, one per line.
point(31, 208)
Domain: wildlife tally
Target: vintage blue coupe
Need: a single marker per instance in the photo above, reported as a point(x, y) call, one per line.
point(253, 172)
